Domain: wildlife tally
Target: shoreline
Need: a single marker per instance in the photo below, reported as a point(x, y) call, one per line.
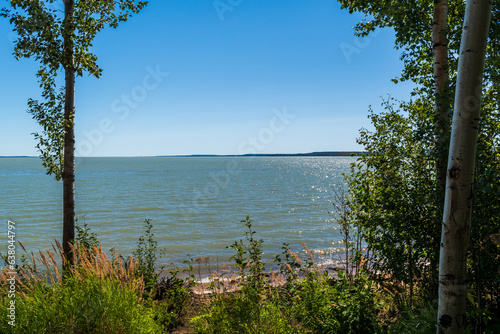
point(309, 154)
point(229, 281)
point(204, 275)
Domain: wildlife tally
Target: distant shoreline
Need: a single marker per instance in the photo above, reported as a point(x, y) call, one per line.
point(311, 154)
point(16, 156)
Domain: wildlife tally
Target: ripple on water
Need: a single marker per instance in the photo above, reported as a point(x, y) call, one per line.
point(194, 207)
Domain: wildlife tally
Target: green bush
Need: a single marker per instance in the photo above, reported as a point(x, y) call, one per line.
point(84, 237)
point(87, 303)
point(423, 320)
point(237, 313)
point(172, 296)
point(307, 303)
point(97, 295)
point(255, 308)
point(340, 305)
point(147, 254)
point(393, 200)
point(248, 260)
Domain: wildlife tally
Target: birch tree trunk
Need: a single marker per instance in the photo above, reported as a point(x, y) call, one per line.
point(441, 93)
point(460, 174)
point(442, 106)
point(69, 133)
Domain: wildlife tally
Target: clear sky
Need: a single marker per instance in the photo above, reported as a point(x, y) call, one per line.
point(216, 77)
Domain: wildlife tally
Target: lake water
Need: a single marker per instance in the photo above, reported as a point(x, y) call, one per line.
point(195, 203)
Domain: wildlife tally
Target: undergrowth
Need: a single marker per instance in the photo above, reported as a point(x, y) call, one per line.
point(301, 298)
point(99, 293)
point(118, 294)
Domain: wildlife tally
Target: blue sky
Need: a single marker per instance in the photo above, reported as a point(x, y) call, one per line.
point(217, 77)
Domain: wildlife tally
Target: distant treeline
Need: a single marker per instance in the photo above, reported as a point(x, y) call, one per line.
point(312, 154)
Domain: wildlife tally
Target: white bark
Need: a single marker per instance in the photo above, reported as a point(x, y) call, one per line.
point(460, 175)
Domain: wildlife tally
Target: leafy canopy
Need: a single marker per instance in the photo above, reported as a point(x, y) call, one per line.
point(43, 28)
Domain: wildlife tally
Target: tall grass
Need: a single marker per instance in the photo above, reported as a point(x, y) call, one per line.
point(96, 295)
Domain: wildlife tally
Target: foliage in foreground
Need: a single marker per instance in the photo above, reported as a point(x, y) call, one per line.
point(393, 199)
point(302, 298)
point(254, 307)
point(99, 294)
point(110, 295)
point(393, 207)
point(341, 305)
point(297, 300)
point(239, 313)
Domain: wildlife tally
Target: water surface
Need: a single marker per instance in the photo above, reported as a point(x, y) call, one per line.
point(195, 203)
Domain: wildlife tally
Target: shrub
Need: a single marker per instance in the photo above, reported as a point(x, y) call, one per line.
point(307, 303)
point(237, 313)
point(248, 260)
point(171, 296)
point(96, 296)
point(147, 255)
point(340, 305)
point(84, 237)
point(255, 308)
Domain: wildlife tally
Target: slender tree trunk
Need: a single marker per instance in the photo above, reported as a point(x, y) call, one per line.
point(441, 113)
point(460, 174)
point(69, 134)
point(441, 93)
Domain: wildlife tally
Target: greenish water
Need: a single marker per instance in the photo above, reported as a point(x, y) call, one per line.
point(196, 203)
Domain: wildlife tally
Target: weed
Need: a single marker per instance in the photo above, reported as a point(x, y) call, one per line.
point(252, 309)
point(249, 257)
point(147, 254)
point(84, 237)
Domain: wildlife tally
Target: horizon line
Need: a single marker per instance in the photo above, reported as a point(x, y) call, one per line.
point(319, 153)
